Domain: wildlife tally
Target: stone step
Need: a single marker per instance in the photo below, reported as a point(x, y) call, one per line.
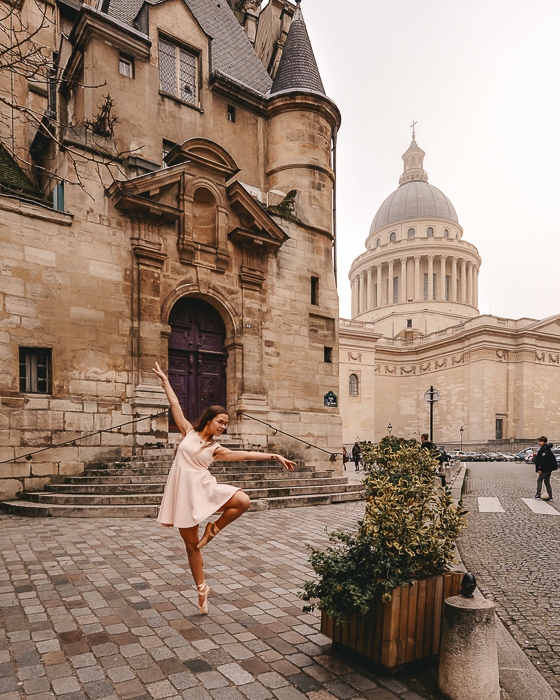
point(256, 473)
point(31, 509)
point(153, 486)
point(218, 464)
point(154, 497)
point(161, 476)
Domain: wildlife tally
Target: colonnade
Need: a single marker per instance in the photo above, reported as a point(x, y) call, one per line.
point(374, 288)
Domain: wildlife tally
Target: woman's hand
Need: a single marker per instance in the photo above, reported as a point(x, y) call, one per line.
point(159, 372)
point(290, 466)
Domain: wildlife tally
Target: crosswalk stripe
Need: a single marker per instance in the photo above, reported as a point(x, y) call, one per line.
point(487, 504)
point(540, 507)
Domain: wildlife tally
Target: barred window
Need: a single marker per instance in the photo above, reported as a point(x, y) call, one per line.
point(178, 70)
point(35, 370)
point(353, 386)
point(395, 290)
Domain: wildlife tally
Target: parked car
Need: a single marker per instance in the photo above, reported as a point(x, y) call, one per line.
point(470, 456)
point(556, 453)
point(492, 457)
point(520, 457)
point(458, 454)
point(507, 457)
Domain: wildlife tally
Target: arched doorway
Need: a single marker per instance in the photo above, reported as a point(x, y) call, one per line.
point(197, 357)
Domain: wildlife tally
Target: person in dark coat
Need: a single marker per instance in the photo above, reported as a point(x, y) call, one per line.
point(440, 455)
point(545, 464)
point(357, 455)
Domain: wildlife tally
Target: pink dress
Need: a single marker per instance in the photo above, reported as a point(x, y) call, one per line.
point(191, 493)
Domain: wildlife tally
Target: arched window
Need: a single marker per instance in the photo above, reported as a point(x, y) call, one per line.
point(353, 385)
point(205, 217)
point(430, 232)
point(413, 161)
point(446, 233)
point(393, 237)
point(378, 242)
point(411, 233)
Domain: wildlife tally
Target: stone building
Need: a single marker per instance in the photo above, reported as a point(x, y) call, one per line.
point(173, 203)
point(415, 324)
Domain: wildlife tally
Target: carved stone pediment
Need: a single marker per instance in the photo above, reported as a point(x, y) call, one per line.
point(257, 229)
point(206, 154)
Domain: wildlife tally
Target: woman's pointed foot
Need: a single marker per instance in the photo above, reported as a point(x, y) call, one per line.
point(203, 593)
point(210, 532)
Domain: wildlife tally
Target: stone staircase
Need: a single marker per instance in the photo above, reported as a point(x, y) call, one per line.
point(133, 488)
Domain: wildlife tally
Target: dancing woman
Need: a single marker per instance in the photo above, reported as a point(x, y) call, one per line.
point(192, 494)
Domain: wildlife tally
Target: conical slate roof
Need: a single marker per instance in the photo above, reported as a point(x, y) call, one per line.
point(298, 68)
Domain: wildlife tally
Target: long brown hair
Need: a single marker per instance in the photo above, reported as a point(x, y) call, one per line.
point(209, 414)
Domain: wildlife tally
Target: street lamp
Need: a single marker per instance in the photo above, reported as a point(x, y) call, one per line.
point(389, 429)
point(461, 430)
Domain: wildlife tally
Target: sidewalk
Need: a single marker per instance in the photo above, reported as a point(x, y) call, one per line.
point(105, 609)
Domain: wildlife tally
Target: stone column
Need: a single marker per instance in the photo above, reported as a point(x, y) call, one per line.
point(475, 287)
point(390, 285)
point(417, 278)
point(442, 267)
point(402, 284)
point(454, 279)
point(370, 288)
point(354, 284)
point(379, 300)
point(470, 283)
point(463, 281)
point(430, 277)
point(363, 292)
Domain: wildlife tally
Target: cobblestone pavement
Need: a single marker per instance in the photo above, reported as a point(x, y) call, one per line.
point(104, 609)
point(516, 559)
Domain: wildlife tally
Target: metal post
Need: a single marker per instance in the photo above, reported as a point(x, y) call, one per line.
point(461, 430)
point(431, 414)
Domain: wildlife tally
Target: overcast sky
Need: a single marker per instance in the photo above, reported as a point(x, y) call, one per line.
point(481, 79)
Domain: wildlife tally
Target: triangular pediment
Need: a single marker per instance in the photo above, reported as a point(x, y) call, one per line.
point(256, 227)
point(548, 326)
point(205, 153)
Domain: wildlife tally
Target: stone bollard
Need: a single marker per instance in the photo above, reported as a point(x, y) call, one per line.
point(468, 660)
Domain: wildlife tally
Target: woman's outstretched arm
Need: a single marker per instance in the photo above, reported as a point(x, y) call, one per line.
point(179, 417)
point(240, 455)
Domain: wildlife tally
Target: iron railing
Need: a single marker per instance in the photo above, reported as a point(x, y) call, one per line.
point(29, 455)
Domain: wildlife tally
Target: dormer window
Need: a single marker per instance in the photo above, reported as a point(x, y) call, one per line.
point(411, 233)
point(393, 237)
point(178, 72)
point(430, 232)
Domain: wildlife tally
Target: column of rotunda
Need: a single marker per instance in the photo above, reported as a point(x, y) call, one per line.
point(368, 291)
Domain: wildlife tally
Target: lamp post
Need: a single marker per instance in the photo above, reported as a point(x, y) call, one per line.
point(461, 430)
point(389, 429)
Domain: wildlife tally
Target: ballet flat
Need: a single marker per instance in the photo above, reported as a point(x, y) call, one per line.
point(210, 532)
point(203, 592)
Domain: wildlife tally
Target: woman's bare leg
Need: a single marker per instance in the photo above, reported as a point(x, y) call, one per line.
point(196, 562)
point(237, 505)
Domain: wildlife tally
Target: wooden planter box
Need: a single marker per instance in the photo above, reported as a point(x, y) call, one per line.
point(396, 634)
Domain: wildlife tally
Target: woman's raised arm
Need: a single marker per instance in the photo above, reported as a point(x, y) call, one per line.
point(179, 417)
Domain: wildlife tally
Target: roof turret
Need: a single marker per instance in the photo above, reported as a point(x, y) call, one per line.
point(298, 68)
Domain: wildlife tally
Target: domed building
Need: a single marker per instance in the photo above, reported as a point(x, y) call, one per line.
point(415, 324)
point(418, 274)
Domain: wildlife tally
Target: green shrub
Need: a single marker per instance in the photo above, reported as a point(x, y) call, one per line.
point(408, 533)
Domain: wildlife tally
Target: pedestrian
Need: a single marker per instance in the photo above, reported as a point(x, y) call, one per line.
point(545, 464)
point(356, 455)
point(344, 456)
point(440, 455)
point(192, 494)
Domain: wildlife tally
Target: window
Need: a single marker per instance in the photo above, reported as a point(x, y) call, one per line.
point(434, 286)
point(375, 304)
point(393, 237)
point(315, 291)
point(446, 233)
point(395, 290)
point(58, 196)
point(408, 324)
point(231, 113)
point(35, 370)
point(178, 70)
point(126, 66)
point(353, 385)
point(411, 233)
point(447, 287)
point(430, 232)
point(327, 354)
point(499, 428)
point(378, 242)
point(166, 148)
